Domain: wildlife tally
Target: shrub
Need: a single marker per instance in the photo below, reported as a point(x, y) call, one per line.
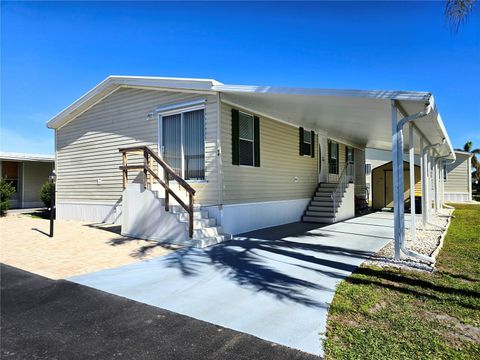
point(6, 192)
point(45, 192)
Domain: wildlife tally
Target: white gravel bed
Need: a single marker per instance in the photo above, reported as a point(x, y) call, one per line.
point(427, 240)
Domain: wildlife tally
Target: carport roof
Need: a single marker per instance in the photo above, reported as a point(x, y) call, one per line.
point(361, 117)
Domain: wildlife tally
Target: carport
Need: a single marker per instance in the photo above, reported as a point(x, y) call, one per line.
point(375, 119)
point(276, 283)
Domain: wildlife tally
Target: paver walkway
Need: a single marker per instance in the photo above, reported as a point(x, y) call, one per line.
point(274, 283)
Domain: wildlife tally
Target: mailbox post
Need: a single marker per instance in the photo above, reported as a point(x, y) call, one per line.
point(52, 178)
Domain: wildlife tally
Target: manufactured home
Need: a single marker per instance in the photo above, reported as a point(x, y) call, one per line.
point(26, 173)
point(458, 178)
point(195, 160)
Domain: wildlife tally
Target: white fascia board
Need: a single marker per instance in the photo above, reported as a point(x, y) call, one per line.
point(371, 94)
point(112, 83)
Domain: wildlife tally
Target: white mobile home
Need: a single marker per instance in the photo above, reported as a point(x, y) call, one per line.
point(236, 158)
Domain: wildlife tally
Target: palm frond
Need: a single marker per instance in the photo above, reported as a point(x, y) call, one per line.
point(457, 11)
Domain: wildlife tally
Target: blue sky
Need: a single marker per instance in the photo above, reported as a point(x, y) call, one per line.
point(52, 53)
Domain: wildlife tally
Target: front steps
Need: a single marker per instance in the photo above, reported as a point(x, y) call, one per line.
point(205, 229)
point(320, 209)
point(144, 216)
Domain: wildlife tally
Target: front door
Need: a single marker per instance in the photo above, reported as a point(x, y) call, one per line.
point(322, 158)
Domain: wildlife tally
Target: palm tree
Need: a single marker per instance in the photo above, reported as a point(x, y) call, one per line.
point(475, 164)
point(457, 11)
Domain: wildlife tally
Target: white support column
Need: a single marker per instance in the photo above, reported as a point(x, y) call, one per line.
point(422, 182)
point(397, 165)
point(411, 159)
point(425, 187)
point(429, 187)
point(437, 184)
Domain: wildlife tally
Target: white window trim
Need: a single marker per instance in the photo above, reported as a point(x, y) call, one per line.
point(252, 141)
point(180, 111)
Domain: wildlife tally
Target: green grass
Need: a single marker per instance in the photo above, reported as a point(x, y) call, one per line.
point(399, 314)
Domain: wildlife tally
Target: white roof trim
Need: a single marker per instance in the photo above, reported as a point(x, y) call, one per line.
point(305, 99)
point(372, 94)
point(113, 82)
point(11, 156)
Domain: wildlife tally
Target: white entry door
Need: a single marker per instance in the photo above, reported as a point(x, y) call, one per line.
point(322, 157)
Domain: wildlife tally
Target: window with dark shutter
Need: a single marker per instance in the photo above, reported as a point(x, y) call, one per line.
point(307, 142)
point(245, 139)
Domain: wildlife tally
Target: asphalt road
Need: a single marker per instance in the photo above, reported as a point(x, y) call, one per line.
point(58, 319)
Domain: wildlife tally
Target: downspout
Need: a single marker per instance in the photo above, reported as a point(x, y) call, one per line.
point(400, 126)
point(428, 187)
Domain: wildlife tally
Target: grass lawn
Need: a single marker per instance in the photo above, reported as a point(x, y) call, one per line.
point(399, 314)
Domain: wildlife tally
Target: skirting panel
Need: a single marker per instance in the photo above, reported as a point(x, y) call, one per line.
point(457, 197)
point(90, 212)
point(240, 218)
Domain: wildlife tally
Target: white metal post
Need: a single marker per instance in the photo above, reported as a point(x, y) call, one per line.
point(411, 159)
point(396, 165)
point(437, 190)
point(424, 184)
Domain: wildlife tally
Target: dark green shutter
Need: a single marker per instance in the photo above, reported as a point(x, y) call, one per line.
point(346, 154)
point(300, 133)
point(312, 152)
point(256, 139)
point(235, 138)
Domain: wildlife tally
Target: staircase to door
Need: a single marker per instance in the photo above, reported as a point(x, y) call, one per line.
point(333, 202)
point(149, 215)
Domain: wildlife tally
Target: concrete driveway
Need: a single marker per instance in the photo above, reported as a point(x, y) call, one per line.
point(275, 283)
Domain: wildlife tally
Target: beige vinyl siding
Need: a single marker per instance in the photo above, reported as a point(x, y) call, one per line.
point(458, 177)
point(87, 147)
point(280, 163)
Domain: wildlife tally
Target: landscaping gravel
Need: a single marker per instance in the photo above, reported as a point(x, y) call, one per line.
point(428, 239)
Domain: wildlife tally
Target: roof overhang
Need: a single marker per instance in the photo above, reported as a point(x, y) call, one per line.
point(9, 156)
point(357, 116)
point(360, 117)
point(113, 83)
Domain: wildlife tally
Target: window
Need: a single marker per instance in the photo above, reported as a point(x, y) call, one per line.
point(307, 142)
point(10, 173)
point(183, 143)
point(349, 155)
point(245, 139)
point(332, 157)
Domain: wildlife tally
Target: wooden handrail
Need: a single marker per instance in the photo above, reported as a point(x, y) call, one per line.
point(148, 155)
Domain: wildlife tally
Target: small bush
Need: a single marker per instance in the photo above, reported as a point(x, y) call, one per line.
point(6, 192)
point(45, 192)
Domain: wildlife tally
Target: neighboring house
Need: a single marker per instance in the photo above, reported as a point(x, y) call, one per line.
point(27, 173)
point(458, 179)
point(251, 157)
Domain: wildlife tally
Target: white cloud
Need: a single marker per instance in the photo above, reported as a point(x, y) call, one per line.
point(12, 141)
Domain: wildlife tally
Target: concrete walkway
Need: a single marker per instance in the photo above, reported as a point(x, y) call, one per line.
point(274, 283)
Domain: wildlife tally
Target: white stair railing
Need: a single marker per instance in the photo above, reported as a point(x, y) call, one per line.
point(345, 178)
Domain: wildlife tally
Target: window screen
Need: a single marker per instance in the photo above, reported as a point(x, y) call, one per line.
point(246, 139)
